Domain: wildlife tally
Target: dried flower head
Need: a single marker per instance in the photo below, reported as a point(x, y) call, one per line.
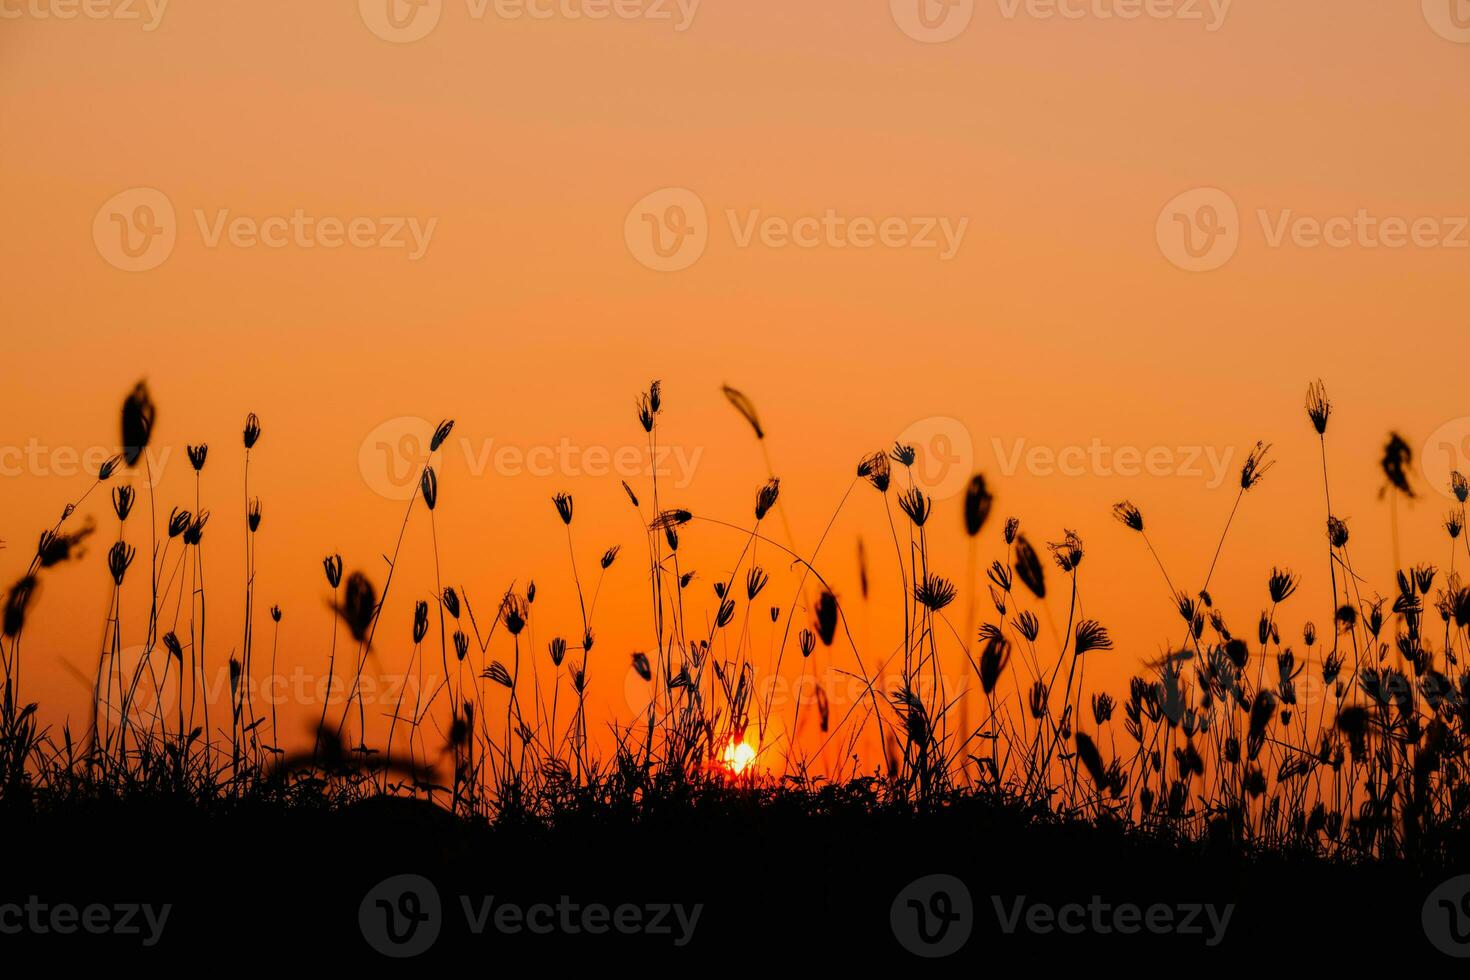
point(978, 502)
point(1281, 584)
point(1028, 568)
point(1256, 466)
point(745, 407)
point(1318, 407)
point(122, 501)
point(1067, 552)
point(178, 522)
point(137, 423)
point(935, 592)
point(420, 621)
point(917, 506)
point(1128, 515)
point(766, 496)
point(332, 565)
point(440, 434)
point(876, 470)
point(1397, 459)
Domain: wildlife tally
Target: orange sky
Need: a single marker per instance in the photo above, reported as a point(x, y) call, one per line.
point(521, 148)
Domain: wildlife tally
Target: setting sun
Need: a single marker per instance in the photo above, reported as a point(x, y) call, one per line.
point(739, 756)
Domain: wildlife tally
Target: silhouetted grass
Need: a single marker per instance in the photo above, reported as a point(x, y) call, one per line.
point(1212, 747)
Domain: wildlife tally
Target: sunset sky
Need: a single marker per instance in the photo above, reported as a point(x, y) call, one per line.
point(1090, 255)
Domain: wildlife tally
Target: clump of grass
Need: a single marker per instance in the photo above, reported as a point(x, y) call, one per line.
point(1211, 746)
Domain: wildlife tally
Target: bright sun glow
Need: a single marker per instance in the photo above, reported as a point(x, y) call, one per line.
point(739, 757)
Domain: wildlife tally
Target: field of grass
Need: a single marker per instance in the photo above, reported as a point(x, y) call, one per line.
point(1208, 782)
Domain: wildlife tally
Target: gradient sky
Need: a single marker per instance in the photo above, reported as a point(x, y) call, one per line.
point(1061, 321)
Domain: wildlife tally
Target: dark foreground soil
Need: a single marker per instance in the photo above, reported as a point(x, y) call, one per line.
point(773, 886)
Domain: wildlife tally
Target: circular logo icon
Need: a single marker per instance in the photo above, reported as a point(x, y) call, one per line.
point(932, 21)
point(1445, 452)
point(136, 230)
point(1446, 917)
point(668, 230)
point(391, 459)
point(1450, 19)
point(401, 21)
point(1199, 230)
point(933, 916)
point(401, 916)
point(944, 455)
